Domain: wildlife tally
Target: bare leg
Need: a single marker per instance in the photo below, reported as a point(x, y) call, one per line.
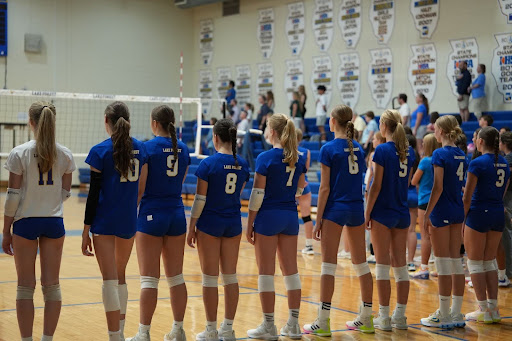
point(412, 240)
point(398, 242)
point(356, 237)
point(287, 253)
point(426, 247)
point(305, 210)
point(266, 247)
point(172, 256)
point(381, 240)
point(228, 261)
point(208, 248)
point(331, 235)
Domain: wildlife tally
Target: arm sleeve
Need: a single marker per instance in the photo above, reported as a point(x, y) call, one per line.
point(94, 159)
point(14, 164)
point(203, 170)
point(324, 157)
point(379, 156)
point(93, 198)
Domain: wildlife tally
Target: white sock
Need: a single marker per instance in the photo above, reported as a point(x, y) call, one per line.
point(501, 274)
point(177, 324)
point(366, 309)
point(324, 312)
point(227, 324)
point(400, 310)
point(47, 338)
point(456, 304)
point(121, 325)
point(27, 338)
point(482, 305)
point(144, 328)
point(444, 305)
point(383, 311)
point(309, 242)
point(424, 267)
point(293, 316)
point(268, 318)
point(211, 325)
point(114, 336)
point(492, 304)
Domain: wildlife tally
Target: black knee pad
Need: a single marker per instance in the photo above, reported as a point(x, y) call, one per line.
point(306, 219)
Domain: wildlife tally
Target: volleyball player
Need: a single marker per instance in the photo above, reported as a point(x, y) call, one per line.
point(39, 182)
point(387, 214)
point(216, 226)
point(111, 210)
point(445, 212)
point(340, 205)
point(161, 225)
point(273, 224)
point(488, 179)
point(305, 201)
point(412, 202)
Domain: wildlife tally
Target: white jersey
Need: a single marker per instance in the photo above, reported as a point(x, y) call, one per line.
point(41, 194)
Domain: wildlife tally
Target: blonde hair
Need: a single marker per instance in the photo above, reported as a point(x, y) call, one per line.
point(393, 121)
point(449, 125)
point(42, 115)
point(378, 136)
point(285, 130)
point(299, 135)
point(430, 144)
point(342, 114)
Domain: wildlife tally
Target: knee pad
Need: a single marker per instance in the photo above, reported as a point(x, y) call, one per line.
point(122, 290)
point(361, 269)
point(210, 281)
point(457, 268)
point(489, 265)
point(382, 272)
point(24, 293)
point(52, 293)
point(266, 283)
point(292, 282)
point(306, 219)
point(175, 280)
point(401, 274)
point(329, 269)
point(228, 279)
point(148, 282)
point(475, 266)
point(443, 266)
point(110, 293)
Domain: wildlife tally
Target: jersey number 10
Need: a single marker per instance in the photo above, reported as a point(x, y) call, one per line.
point(133, 176)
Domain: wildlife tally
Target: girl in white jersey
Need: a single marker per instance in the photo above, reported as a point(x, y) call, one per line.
point(39, 182)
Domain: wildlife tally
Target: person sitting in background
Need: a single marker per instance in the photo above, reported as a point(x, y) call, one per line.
point(295, 112)
point(249, 109)
point(270, 100)
point(433, 118)
point(463, 82)
point(262, 114)
point(504, 129)
point(209, 137)
point(321, 111)
point(404, 110)
point(477, 90)
point(235, 111)
point(359, 125)
point(369, 131)
point(243, 126)
point(485, 121)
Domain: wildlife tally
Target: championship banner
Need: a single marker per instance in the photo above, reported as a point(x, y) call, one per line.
point(382, 18)
point(295, 25)
point(506, 9)
point(294, 77)
point(243, 84)
point(425, 14)
point(323, 26)
point(380, 76)
point(422, 70)
point(266, 32)
point(502, 65)
point(322, 75)
point(463, 49)
point(265, 78)
point(205, 89)
point(349, 21)
point(206, 41)
point(223, 78)
point(349, 80)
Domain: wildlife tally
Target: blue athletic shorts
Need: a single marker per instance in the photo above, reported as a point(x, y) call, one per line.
point(126, 233)
point(454, 217)
point(274, 222)
point(33, 228)
point(345, 217)
point(486, 220)
point(412, 198)
point(217, 226)
point(391, 219)
point(163, 222)
point(307, 190)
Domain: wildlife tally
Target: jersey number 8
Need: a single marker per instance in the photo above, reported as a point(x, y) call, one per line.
point(173, 166)
point(231, 183)
point(133, 176)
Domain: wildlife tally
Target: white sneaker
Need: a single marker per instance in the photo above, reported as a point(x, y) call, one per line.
point(318, 328)
point(504, 282)
point(362, 324)
point(293, 332)
point(480, 316)
point(343, 254)
point(495, 315)
point(371, 259)
point(227, 335)
point(470, 284)
point(382, 323)
point(140, 337)
point(458, 320)
point(411, 267)
point(308, 250)
point(417, 259)
point(263, 332)
point(212, 335)
point(176, 334)
point(437, 320)
point(399, 322)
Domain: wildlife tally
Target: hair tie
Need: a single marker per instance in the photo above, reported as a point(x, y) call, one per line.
point(44, 106)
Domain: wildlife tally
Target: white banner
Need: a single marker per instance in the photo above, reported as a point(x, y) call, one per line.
point(295, 24)
point(323, 26)
point(322, 75)
point(349, 20)
point(502, 65)
point(206, 41)
point(205, 89)
point(223, 78)
point(380, 76)
point(294, 77)
point(265, 78)
point(425, 14)
point(349, 80)
point(266, 31)
point(506, 9)
point(243, 84)
point(423, 70)
point(463, 49)
point(382, 17)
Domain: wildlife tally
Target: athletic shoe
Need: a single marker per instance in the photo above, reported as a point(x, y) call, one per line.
point(371, 259)
point(417, 259)
point(432, 259)
point(226, 335)
point(308, 250)
point(470, 284)
point(140, 337)
point(433, 273)
point(480, 316)
point(263, 332)
point(362, 324)
point(318, 328)
point(495, 314)
point(293, 332)
point(399, 322)
point(458, 320)
point(411, 267)
point(382, 323)
point(420, 274)
point(505, 282)
point(437, 320)
point(344, 255)
point(208, 336)
point(176, 334)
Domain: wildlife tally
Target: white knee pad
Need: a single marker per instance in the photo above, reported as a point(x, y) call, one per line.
point(122, 290)
point(210, 281)
point(489, 265)
point(110, 293)
point(361, 269)
point(443, 266)
point(457, 268)
point(148, 282)
point(475, 266)
point(24, 293)
point(382, 272)
point(266, 283)
point(329, 269)
point(52, 293)
point(401, 274)
point(175, 280)
point(228, 279)
point(292, 282)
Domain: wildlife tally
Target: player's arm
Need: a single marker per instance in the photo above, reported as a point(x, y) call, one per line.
point(184, 176)
point(143, 177)
point(374, 191)
point(257, 195)
point(417, 177)
point(90, 210)
point(12, 202)
point(323, 195)
point(437, 190)
point(308, 161)
point(197, 209)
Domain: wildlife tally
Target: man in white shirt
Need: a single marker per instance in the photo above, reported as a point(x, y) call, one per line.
point(359, 125)
point(404, 110)
point(321, 111)
point(243, 126)
point(235, 111)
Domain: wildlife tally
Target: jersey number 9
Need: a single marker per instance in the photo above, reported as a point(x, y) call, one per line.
point(173, 166)
point(231, 183)
point(133, 176)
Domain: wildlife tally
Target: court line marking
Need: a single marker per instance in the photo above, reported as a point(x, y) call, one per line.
point(437, 332)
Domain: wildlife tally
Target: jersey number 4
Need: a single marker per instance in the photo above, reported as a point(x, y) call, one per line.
point(49, 177)
point(133, 176)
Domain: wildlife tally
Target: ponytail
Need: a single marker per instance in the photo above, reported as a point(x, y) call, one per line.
point(172, 131)
point(232, 135)
point(123, 147)
point(46, 146)
point(350, 138)
point(289, 141)
point(491, 137)
point(496, 150)
point(226, 130)
point(401, 142)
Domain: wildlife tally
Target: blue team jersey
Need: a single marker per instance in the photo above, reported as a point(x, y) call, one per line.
point(117, 207)
point(492, 180)
point(395, 180)
point(454, 162)
point(427, 180)
point(346, 177)
point(225, 182)
point(165, 176)
point(282, 180)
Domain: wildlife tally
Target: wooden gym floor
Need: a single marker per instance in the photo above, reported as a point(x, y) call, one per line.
point(82, 316)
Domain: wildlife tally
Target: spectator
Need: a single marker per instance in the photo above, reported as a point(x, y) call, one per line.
point(485, 121)
point(504, 129)
point(369, 131)
point(235, 111)
point(420, 119)
point(463, 82)
point(249, 109)
point(231, 94)
point(263, 113)
point(270, 100)
point(477, 90)
point(295, 112)
point(321, 111)
point(302, 100)
point(433, 118)
point(243, 126)
point(404, 110)
point(209, 137)
point(359, 125)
